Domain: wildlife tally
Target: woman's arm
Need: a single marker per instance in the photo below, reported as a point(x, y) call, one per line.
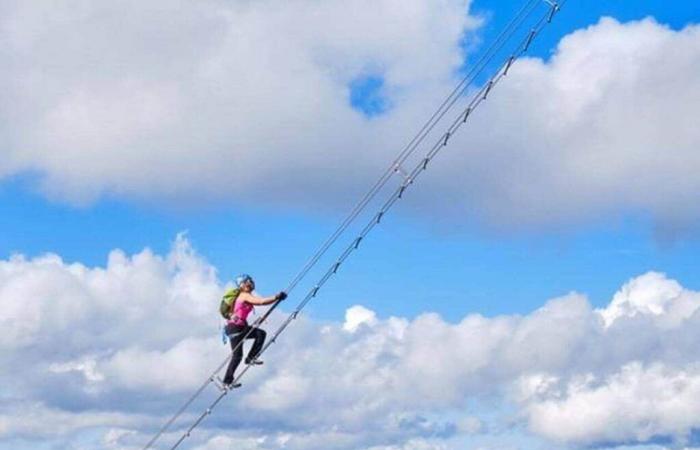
point(255, 300)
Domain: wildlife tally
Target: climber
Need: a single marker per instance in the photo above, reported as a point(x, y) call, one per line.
point(236, 304)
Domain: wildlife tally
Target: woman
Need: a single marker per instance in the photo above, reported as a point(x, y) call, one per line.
point(237, 328)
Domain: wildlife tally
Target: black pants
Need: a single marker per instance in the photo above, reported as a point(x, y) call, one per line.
point(236, 334)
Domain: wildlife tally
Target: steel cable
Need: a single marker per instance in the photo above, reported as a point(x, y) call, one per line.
point(444, 108)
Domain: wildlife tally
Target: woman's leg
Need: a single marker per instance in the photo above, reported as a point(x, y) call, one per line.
point(259, 336)
point(236, 335)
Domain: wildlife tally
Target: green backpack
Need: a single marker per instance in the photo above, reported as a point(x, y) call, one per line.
point(226, 306)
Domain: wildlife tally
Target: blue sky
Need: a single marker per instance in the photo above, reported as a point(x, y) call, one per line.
point(234, 139)
point(474, 272)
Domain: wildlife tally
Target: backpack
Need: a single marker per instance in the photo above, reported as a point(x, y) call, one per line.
point(226, 306)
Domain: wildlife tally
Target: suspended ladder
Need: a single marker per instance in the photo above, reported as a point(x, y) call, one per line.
point(396, 168)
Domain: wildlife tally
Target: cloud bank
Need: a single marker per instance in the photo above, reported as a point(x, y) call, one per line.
point(251, 101)
point(129, 341)
point(212, 99)
point(603, 127)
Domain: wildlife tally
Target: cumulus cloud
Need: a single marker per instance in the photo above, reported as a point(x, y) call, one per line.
point(634, 405)
point(357, 315)
point(193, 93)
point(131, 291)
point(198, 92)
point(652, 295)
point(86, 367)
point(575, 375)
point(604, 126)
point(36, 421)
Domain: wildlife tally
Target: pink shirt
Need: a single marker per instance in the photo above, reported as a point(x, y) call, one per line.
point(241, 309)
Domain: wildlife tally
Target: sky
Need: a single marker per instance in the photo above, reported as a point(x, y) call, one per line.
point(539, 282)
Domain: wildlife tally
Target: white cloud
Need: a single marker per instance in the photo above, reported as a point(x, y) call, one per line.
point(178, 368)
point(142, 291)
point(652, 295)
point(606, 126)
point(198, 92)
point(634, 405)
point(36, 421)
point(114, 437)
point(282, 391)
point(573, 374)
point(87, 367)
point(222, 442)
point(201, 91)
point(358, 315)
